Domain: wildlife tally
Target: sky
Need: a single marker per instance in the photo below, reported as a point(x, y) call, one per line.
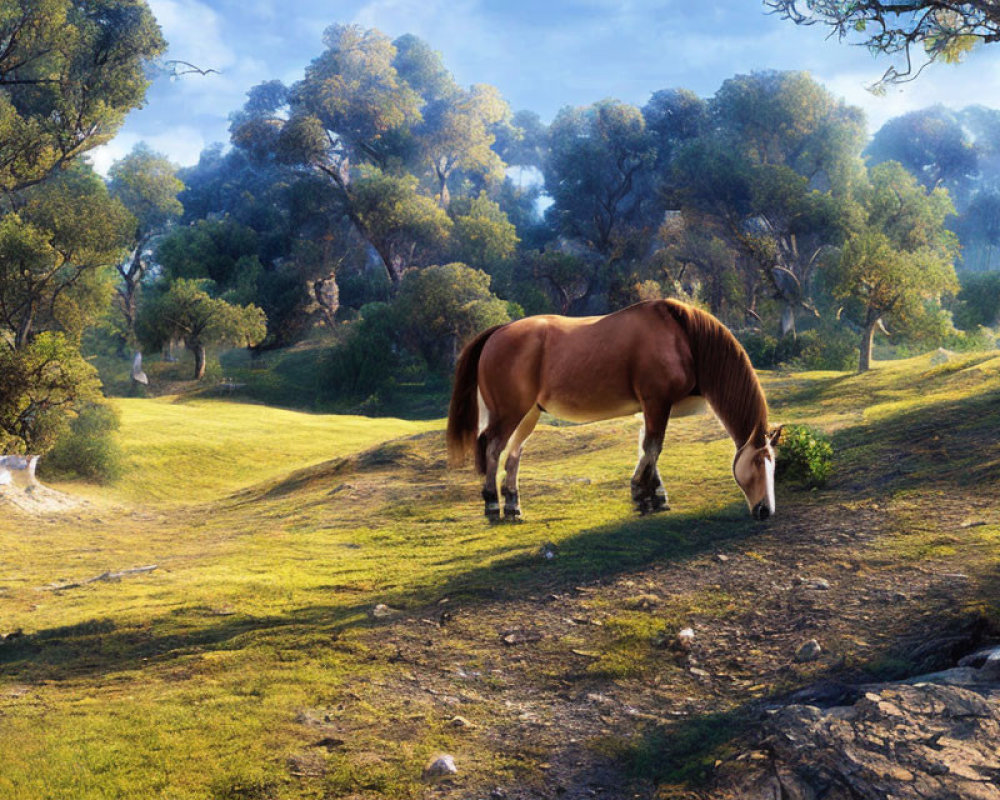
point(541, 54)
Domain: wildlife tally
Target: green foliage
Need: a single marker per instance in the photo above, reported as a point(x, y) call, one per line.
point(439, 308)
point(42, 382)
point(483, 235)
point(185, 310)
point(368, 359)
point(146, 182)
point(80, 67)
point(978, 300)
point(805, 456)
point(89, 449)
point(223, 251)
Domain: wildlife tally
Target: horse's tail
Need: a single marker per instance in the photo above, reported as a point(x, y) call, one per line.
point(463, 414)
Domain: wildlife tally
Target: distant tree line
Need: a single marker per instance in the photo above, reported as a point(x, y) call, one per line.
point(763, 203)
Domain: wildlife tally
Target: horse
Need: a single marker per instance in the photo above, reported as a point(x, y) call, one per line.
point(653, 357)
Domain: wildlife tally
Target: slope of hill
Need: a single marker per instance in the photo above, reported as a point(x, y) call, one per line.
point(322, 628)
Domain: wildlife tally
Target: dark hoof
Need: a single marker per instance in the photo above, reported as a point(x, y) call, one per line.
point(513, 517)
point(651, 505)
point(493, 517)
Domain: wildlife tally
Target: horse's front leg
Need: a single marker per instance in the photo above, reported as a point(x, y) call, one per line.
point(648, 492)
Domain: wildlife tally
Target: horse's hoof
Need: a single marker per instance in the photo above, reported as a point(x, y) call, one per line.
point(513, 519)
point(658, 504)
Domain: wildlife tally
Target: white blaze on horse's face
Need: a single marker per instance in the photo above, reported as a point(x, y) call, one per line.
point(753, 468)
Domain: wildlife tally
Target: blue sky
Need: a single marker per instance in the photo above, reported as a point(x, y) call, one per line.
point(542, 55)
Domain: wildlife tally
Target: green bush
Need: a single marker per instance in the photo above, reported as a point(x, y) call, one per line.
point(805, 456)
point(89, 449)
point(827, 348)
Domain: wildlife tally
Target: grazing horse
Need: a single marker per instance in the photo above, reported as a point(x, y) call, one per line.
point(654, 357)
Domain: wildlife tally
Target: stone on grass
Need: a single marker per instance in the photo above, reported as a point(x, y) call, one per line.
point(441, 766)
point(808, 651)
point(382, 611)
point(685, 638)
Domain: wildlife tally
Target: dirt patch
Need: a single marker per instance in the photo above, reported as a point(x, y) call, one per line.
point(37, 499)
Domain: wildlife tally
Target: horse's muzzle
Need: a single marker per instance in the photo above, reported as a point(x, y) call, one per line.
point(761, 511)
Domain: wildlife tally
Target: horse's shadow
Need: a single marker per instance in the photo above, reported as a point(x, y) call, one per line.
point(595, 555)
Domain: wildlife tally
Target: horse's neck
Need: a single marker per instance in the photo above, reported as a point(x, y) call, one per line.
point(737, 418)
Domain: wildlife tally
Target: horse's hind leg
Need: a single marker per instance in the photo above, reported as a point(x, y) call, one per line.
point(511, 500)
point(494, 440)
point(647, 487)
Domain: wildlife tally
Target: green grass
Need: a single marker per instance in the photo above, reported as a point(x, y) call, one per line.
point(275, 533)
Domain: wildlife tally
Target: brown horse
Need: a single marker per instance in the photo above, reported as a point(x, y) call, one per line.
point(655, 357)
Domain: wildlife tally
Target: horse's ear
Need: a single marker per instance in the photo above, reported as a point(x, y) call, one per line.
point(774, 436)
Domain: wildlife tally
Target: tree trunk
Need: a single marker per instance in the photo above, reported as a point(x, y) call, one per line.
point(199, 359)
point(867, 338)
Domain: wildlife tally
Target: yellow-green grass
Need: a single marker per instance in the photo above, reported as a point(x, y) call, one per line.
point(276, 533)
point(180, 450)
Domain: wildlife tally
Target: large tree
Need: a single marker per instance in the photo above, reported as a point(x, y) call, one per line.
point(774, 169)
point(69, 72)
point(900, 261)
point(147, 185)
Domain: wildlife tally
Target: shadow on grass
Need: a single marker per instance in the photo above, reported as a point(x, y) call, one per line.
point(947, 444)
point(100, 646)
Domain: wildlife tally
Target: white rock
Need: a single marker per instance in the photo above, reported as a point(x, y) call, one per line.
point(441, 766)
point(808, 651)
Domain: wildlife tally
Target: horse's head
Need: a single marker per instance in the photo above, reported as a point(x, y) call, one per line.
point(753, 468)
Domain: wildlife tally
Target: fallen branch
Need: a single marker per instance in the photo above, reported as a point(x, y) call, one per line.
point(104, 576)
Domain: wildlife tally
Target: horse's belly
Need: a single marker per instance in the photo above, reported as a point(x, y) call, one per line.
point(578, 410)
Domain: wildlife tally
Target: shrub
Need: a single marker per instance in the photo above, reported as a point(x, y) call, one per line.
point(89, 449)
point(805, 456)
point(827, 348)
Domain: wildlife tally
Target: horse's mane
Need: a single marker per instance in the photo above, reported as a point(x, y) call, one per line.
point(724, 373)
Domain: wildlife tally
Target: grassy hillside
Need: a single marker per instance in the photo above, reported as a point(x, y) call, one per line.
point(251, 662)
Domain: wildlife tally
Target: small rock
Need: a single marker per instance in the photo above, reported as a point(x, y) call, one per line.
point(816, 583)
point(459, 722)
point(698, 672)
point(685, 638)
point(520, 637)
point(723, 558)
point(548, 551)
point(440, 766)
point(808, 651)
point(382, 611)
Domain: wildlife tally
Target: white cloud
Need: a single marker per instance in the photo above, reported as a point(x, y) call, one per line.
point(182, 144)
point(954, 86)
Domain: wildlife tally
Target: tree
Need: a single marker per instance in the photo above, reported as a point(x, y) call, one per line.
point(597, 156)
point(186, 311)
point(775, 170)
point(42, 382)
point(222, 251)
point(901, 258)
point(457, 134)
point(942, 29)
point(69, 72)
point(147, 185)
point(56, 253)
point(440, 307)
point(483, 235)
point(932, 144)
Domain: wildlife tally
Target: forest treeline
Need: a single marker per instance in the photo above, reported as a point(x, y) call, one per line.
point(380, 207)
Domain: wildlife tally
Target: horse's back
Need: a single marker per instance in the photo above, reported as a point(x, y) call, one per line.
point(586, 368)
